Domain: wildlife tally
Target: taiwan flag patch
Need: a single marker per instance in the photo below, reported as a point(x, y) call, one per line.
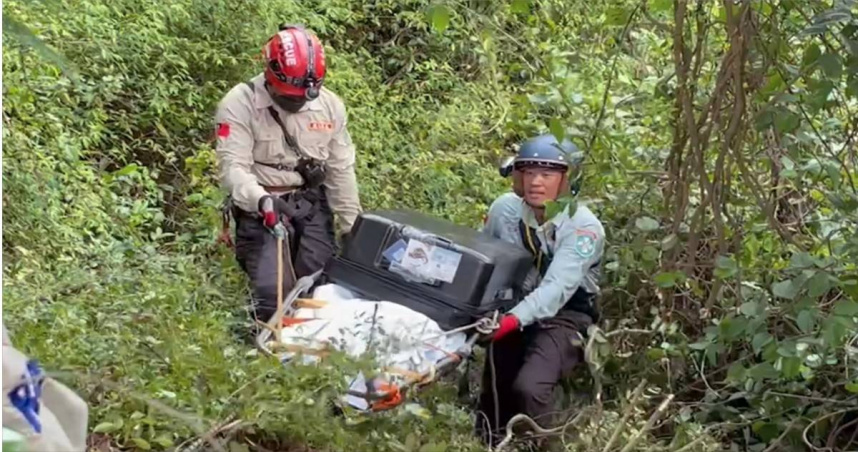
point(223, 130)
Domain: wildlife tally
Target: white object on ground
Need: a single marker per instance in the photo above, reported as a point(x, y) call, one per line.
point(400, 337)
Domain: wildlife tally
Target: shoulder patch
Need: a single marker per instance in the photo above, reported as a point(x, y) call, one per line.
point(26, 397)
point(223, 130)
point(585, 242)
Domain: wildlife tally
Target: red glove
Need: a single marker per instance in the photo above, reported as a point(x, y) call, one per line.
point(272, 208)
point(508, 324)
point(266, 208)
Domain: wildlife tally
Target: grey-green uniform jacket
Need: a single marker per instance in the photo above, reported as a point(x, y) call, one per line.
point(574, 244)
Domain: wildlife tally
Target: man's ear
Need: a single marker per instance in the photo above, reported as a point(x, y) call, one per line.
point(518, 183)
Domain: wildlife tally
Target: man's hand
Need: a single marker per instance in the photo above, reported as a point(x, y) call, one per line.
point(508, 323)
point(271, 208)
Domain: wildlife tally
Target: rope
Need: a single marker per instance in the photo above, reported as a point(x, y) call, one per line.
point(484, 326)
point(494, 384)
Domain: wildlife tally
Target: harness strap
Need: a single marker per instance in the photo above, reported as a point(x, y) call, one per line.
point(534, 245)
point(290, 140)
point(226, 215)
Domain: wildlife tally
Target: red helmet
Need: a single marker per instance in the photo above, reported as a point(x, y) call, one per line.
point(295, 62)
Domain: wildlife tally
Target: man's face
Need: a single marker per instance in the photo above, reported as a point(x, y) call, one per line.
point(540, 185)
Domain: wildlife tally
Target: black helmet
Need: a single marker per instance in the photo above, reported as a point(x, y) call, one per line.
point(545, 151)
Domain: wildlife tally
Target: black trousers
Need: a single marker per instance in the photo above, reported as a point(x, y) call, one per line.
point(311, 244)
point(527, 368)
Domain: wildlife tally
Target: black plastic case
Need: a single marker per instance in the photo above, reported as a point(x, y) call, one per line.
point(453, 274)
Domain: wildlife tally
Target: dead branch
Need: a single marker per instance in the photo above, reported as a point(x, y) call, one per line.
point(649, 424)
point(536, 428)
point(633, 402)
point(816, 421)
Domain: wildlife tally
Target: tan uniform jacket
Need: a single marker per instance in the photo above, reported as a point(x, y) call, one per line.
point(61, 422)
point(247, 133)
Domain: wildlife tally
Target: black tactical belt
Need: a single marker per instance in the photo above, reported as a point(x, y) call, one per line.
point(277, 166)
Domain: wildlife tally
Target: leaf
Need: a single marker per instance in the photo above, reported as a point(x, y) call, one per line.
point(791, 367)
point(733, 327)
point(852, 88)
point(736, 373)
point(669, 242)
point(440, 17)
point(819, 90)
point(25, 36)
point(834, 329)
point(126, 170)
point(785, 289)
point(760, 340)
point(105, 427)
point(646, 224)
point(800, 261)
point(553, 208)
point(433, 447)
point(557, 129)
point(520, 6)
point(786, 121)
point(659, 6)
point(810, 58)
point(762, 371)
point(805, 320)
point(831, 65)
point(846, 308)
point(655, 354)
point(411, 441)
point(818, 285)
point(725, 267)
point(667, 279)
point(418, 410)
point(141, 443)
point(750, 309)
point(852, 387)
point(812, 166)
point(699, 345)
point(833, 170)
point(616, 15)
point(766, 430)
point(649, 254)
point(166, 442)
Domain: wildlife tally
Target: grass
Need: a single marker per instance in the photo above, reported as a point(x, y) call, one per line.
point(157, 346)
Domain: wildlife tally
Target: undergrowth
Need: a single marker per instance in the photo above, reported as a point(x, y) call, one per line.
point(732, 243)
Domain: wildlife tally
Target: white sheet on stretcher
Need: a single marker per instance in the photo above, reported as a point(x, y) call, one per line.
point(401, 337)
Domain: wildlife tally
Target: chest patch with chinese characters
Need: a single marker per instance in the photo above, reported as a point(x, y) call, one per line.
point(321, 126)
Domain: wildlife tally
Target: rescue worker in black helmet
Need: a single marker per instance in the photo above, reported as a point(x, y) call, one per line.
point(540, 340)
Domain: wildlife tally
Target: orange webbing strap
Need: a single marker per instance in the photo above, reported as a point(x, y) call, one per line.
point(292, 321)
point(393, 399)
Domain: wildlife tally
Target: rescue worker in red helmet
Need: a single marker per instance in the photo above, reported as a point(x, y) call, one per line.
point(285, 155)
